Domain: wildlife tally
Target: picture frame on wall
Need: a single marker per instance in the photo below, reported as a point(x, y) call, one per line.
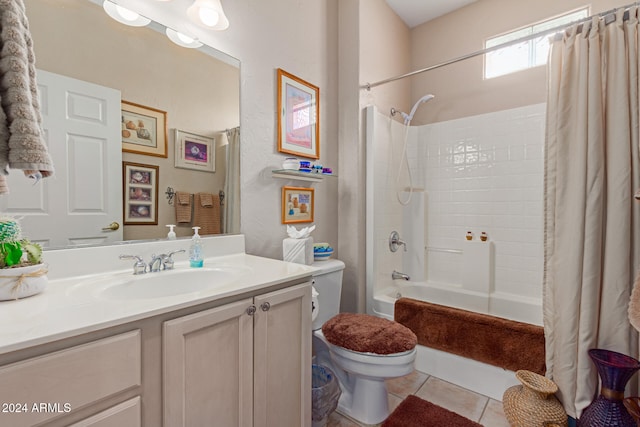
point(144, 130)
point(140, 193)
point(298, 116)
point(298, 204)
point(195, 152)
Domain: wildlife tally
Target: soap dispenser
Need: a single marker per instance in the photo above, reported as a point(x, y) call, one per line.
point(171, 235)
point(195, 250)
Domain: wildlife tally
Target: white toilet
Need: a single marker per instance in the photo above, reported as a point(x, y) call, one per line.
point(361, 375)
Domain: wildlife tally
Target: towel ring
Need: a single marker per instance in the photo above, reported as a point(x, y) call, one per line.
point(170, 194)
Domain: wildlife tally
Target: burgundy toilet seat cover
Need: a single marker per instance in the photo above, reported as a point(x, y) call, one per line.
point(368, 334)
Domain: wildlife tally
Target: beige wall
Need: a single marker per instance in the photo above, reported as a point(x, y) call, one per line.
point(301, 38)
point(460, 88)
point(150, 70)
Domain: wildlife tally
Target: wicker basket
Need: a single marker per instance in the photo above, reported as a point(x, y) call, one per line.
point(633, 406)
point(533, 403)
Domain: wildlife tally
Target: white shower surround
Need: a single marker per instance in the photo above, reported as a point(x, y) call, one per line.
point(479, 173)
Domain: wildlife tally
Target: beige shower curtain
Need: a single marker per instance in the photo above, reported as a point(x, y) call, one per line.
point(231, 213)
point(591, 221)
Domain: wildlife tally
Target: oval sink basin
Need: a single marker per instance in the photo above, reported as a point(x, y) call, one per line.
point(162, 284)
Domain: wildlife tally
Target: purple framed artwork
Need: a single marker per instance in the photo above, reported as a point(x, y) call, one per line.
point(195, 152)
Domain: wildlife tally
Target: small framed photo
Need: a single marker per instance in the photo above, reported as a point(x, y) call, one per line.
point(140, 194)
point(195, 152)
point(297, 205)
point(144, 130)
point(298, 116)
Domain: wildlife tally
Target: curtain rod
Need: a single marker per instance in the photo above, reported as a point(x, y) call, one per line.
point(368, 86)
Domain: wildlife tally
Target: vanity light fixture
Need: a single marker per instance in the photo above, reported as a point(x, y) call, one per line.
point(181, 39)
point(124, 15)
point(209, 14)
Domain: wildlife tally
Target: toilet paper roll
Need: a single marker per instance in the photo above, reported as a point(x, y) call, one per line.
point(299, 251)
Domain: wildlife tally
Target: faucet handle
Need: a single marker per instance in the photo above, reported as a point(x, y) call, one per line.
point(139, 267)
point(167, 261)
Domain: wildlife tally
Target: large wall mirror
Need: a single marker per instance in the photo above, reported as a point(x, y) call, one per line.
point(196, 91)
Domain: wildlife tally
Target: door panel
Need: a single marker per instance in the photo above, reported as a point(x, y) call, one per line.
point(81, 124)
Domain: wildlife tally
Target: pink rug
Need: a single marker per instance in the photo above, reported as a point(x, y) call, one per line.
point(416, 412)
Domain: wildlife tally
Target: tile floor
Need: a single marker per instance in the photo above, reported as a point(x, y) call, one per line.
point(469, 404)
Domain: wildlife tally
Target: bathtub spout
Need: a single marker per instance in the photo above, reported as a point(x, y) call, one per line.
point(397, 275)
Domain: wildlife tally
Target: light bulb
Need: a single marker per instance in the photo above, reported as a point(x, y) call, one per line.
point(183, 38)
point(124, 15)
point(208, 16)
point(127, 14)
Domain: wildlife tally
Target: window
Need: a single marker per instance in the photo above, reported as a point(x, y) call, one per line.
point(526, 54)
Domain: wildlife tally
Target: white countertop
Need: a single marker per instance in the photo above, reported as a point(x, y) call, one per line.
point(62, 311)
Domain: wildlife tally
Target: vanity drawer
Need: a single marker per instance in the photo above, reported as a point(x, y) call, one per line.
point(125, 414)
point(52, 385)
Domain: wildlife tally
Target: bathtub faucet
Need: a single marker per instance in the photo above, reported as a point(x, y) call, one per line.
point(397, 275)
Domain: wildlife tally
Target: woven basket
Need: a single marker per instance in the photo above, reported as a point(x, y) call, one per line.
point(533, 403)
point(633, 406)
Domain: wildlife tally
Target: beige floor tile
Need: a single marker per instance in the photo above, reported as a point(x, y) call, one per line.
point(338, 420)
point(454, 398)
point(493, 415)
point(409, 384)
point(394, 401)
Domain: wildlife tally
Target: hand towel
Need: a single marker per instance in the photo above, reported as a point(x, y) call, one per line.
point(206, 213)
point(206, 199)
point(25, 147)
point(183, 207)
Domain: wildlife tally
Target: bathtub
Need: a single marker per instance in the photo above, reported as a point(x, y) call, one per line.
point(476, 376)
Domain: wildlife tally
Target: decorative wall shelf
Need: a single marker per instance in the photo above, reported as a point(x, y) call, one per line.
point(300, 176)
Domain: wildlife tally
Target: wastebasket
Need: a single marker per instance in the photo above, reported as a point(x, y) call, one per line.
point(325, 392)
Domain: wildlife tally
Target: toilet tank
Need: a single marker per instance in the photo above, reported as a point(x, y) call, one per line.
point(327, 281)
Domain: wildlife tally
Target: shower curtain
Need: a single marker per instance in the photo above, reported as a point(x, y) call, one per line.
point(232, 183)
point(591, 221)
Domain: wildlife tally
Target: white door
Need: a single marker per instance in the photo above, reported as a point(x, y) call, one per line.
point(77, 205)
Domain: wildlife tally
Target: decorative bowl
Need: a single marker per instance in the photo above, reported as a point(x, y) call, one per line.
point(305, 164)
point(322, 251)
point(322, 256)
point(290, 163)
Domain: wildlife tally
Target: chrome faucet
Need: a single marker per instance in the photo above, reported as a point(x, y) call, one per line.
point(139, 267)
point(167, 261)
point(395, 241)
point(162, 261)
point(156, 263)
point(397, 275)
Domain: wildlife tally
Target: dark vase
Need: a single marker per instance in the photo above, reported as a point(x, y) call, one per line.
point(608, 410)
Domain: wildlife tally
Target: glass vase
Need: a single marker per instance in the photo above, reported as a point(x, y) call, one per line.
point(615, 370)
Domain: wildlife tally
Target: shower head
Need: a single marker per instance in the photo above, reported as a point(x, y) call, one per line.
point(409, 117)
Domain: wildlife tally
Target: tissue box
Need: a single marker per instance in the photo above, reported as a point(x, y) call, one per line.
point(299, 251)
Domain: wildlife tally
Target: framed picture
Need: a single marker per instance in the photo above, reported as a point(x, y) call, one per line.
point(297, 205)
point(195, 152)
point(298, 116)
point(144, 130)
point(140, 194)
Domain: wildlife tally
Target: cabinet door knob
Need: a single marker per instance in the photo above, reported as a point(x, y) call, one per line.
point(265, 306)
point(251, 310)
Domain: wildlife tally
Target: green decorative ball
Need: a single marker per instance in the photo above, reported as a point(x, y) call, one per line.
point(10, 230)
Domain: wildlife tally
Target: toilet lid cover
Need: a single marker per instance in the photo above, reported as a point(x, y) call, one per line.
point(368, 334)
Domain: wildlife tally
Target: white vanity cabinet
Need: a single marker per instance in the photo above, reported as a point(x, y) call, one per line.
point(48, 387)
point(246, 363)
